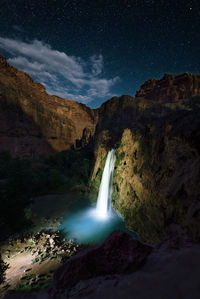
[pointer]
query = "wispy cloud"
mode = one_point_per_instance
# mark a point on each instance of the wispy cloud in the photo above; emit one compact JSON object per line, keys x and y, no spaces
{"x":97,"y":64}
{"x":63,"y":75}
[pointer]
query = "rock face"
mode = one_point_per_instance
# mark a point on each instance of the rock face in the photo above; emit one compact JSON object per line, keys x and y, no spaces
{"x":156,"y":136}
{"x":171,"y":270}
{"x":156,"y":178}
{"x":170,"y":88}
{"x":120,"y":253}
{"x":166,"y":273}
{"x":34,"y":123}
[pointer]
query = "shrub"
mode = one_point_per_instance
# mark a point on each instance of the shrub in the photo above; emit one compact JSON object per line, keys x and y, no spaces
{"x":3,"y":267}
{"x":23,"y":179}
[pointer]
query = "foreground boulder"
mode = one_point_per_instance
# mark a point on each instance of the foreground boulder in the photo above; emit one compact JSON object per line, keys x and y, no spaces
{"x":176,"y":243}
{"x":172,"y":270}
{"x":120,"y":253}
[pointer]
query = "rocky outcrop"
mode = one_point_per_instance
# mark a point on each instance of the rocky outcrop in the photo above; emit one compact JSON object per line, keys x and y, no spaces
{"x":157,"y":169}
{"x":168,"y":271}
{"x":156,"y":137}
{"x":171,"y":88}
{"x":119,"y":253}
{"x":34,"y":123}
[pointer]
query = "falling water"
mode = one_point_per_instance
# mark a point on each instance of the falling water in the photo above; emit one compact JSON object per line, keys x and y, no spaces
{"x":94,"y":224}
{"x":105,"y":190}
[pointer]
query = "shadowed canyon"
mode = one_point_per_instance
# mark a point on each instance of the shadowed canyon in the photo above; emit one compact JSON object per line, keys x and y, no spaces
{"x":50,"y":146}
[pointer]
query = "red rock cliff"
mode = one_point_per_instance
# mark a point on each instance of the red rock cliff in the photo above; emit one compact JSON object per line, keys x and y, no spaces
{"x":34,"y":123}
{"x":171,"y":88}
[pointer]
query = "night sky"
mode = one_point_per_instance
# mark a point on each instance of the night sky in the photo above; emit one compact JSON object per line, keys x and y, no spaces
{"x":92,"y":50}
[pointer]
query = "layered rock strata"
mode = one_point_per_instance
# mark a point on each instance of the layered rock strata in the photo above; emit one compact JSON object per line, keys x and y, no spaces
{"x":33,"y":123}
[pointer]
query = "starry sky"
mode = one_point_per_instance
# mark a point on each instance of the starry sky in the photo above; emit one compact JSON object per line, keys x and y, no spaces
{"x":92,"y":50}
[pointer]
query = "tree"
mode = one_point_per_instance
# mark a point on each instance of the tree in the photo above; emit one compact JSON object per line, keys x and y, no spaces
{"x":3,"y":268}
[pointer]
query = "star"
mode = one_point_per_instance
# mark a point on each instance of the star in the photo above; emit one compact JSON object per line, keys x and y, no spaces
{"x":145,"y":37}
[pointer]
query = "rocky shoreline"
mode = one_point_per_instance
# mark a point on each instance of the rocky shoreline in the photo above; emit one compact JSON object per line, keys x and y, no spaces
{"x":123,"y":267}
{"x":32,"y":260}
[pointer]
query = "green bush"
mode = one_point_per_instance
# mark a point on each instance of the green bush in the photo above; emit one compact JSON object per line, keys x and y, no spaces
{"x":22,"y":179}
{"x":193,"y":102}
{"x":3,"y":267}
{"x":5,"y":159}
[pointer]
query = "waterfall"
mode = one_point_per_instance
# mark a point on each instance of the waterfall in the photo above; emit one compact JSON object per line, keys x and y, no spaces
{"x":105,"y":190}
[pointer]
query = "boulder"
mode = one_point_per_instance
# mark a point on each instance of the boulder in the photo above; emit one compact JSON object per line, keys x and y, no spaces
{"x":120,"y":253}
{"x":176,"y":242}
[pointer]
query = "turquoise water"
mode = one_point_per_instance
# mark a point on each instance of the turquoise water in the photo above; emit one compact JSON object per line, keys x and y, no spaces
{"x":79,"y":220}
{"x":83,"y":225}
{"x":89,"y":224}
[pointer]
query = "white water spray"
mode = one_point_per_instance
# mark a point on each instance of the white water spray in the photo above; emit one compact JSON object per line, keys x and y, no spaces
{"x":105,"y":191}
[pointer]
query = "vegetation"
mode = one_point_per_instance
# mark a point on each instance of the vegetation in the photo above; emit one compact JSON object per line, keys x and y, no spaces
{"x":3,"y":267}
{"x":22,"y":179}
{"x":25,"y":285}
{"x":193,"y":102}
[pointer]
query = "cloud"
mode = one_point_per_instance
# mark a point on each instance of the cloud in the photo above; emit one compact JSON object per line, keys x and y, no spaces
{"x":63,"y":75}
{"x":97,"y":64}
{"x":34,"y":68}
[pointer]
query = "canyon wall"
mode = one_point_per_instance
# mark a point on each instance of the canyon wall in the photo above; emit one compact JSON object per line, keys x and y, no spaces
{"x":33,"y":123}
{"x":171,"y":88}
{"x":157,"y":171}
{"x":156,"y":136}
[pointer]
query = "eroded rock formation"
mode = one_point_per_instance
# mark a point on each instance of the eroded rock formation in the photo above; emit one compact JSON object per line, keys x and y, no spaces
{"x":120,"y":253}
{"x":171,"y":88}
{"x":156,"y":136}
{"x":170,"y":270}
{"x":34,"y":123}
{"x":156,"y":178}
